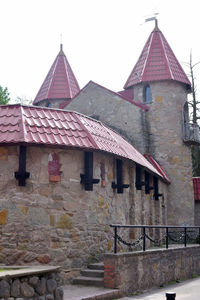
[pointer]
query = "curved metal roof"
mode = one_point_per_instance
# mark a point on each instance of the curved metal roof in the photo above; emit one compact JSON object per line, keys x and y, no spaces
{"x":54,"y":127}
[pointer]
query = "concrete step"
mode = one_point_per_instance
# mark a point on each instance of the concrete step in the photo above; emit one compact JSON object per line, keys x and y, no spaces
{"x":96,"y":266}
{"x":92,"y":281}
{"x":92,"y":273}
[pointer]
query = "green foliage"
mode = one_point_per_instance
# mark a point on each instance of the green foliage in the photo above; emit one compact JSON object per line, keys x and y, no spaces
{"x":4,"y":96}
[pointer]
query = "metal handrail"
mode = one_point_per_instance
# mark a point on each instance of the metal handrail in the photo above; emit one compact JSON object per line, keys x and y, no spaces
{"x":145,"y":236}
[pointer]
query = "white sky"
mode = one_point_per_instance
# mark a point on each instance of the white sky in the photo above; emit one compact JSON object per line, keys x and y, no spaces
{"x":102,"y":39}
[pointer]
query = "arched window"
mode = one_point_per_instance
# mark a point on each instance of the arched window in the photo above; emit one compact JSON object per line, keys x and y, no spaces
{"x":147,"y":94}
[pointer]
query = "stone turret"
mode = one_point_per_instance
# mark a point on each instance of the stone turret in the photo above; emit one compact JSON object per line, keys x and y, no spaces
{"x":59,"y":85}
{"x":159,"y":81}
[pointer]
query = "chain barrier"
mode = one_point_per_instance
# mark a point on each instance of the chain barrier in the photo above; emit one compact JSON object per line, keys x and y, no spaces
{"x":176,"y":236}
{"x":128,"y":243}
{"x":156,"y":242}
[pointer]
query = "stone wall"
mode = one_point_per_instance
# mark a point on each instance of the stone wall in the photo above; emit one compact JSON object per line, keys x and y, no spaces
{"x":58,"y":222}
{"x":164,"y":139}
{"x":37,"y":286}
{"x":108,"y":107}
{"x":138,"y":271}
{"x":157,"y":131}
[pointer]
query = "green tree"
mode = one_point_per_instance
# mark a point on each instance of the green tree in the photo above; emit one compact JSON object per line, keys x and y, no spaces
{"x":4,"y":96}
{"x":194,"y":107}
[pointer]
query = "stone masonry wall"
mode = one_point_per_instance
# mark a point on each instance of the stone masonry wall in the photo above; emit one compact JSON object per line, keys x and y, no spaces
{"x":42,"y":286}
{"x":164,"y":139}
{"x":59,"y":223}
{"x":138,"y":271}
{"x":119,"y":114}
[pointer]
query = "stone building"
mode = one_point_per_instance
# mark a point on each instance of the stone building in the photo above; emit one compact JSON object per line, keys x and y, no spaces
{"x":66,"y":176}
{"x":64,"y":179}
{"x":151,"y":113}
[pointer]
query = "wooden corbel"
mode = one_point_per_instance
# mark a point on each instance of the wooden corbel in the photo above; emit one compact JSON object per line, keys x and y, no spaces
{"x":148,"y":188}
{"x":87,"y":179}
{"x":156,"y":190}
{"x":119,"y":185}
{"x":22,"y":175}
{"x":139,"y":183}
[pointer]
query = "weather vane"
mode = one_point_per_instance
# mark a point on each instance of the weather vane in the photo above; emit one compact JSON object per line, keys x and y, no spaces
{"x":154,"y":18}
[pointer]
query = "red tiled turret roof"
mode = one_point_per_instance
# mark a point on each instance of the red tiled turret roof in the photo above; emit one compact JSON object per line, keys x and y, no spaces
{"x":156,"y":62}
{"x":60,"y":82}
{"x":54,"y":127}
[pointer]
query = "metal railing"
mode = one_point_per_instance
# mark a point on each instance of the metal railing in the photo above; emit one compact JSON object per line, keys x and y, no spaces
{"x":181,"y":235}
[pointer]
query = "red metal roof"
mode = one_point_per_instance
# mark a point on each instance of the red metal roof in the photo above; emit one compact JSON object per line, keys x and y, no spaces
{"x":196,"y":187}
{"x":60,"y":82}
{"x":39,"y":125}
{"x":157,"y":166}
{"x":126,"y":95}
{"x":157,"y":62}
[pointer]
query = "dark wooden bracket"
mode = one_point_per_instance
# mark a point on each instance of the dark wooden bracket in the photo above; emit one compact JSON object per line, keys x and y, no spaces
{"x":87,"y":179}
{"x":119,"y":185}
{"x":156,"y":192}
{"x":148,"y":188}
{"x":139,"y":183}
{"x":22,"y":175}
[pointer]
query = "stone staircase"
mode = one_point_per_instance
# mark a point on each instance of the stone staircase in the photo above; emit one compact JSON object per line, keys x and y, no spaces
{"x":93,"y":275}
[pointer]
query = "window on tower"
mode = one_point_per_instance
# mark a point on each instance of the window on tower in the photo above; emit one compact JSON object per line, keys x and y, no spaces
{"x":147,"y":94}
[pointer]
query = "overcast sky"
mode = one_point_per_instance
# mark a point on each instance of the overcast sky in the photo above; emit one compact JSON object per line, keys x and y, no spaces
{"x":102,"y":39}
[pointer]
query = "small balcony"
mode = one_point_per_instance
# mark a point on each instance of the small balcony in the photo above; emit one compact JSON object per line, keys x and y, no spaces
{"x":191,"y":133}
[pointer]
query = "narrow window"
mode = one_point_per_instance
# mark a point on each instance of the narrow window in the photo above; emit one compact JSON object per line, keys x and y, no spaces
{"x":147,"y":94}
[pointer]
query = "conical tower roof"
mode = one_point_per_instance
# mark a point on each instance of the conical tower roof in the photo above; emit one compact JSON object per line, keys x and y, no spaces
{"x":157,"y":62}
{"x":60,"y":82}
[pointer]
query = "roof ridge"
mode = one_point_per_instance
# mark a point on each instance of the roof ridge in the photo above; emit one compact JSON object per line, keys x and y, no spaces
{"x":166,"y":57}
{"x":147,"y":58}
{"x":52,"y":78}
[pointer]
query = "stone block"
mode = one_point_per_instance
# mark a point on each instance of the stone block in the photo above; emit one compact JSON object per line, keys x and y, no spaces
{"x":3,"y":153}
{"x":51,"y":285}
{"x":41,"y":287}
{"x":15,"y":288}
{"x":65,"y":222}
{"x":44,"y":259}
{"x":34,"y":281}
{"x":4,"y":289}
{"x":49,"y":297}
{"x":3,"y":217}
{"x":24,"y":210}
{"x":59,"y":294}
{"x":26,"y":290}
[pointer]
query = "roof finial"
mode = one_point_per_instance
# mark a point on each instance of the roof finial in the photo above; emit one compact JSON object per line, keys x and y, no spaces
{"x":61,"y":45}
{"x":153,"y":19}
